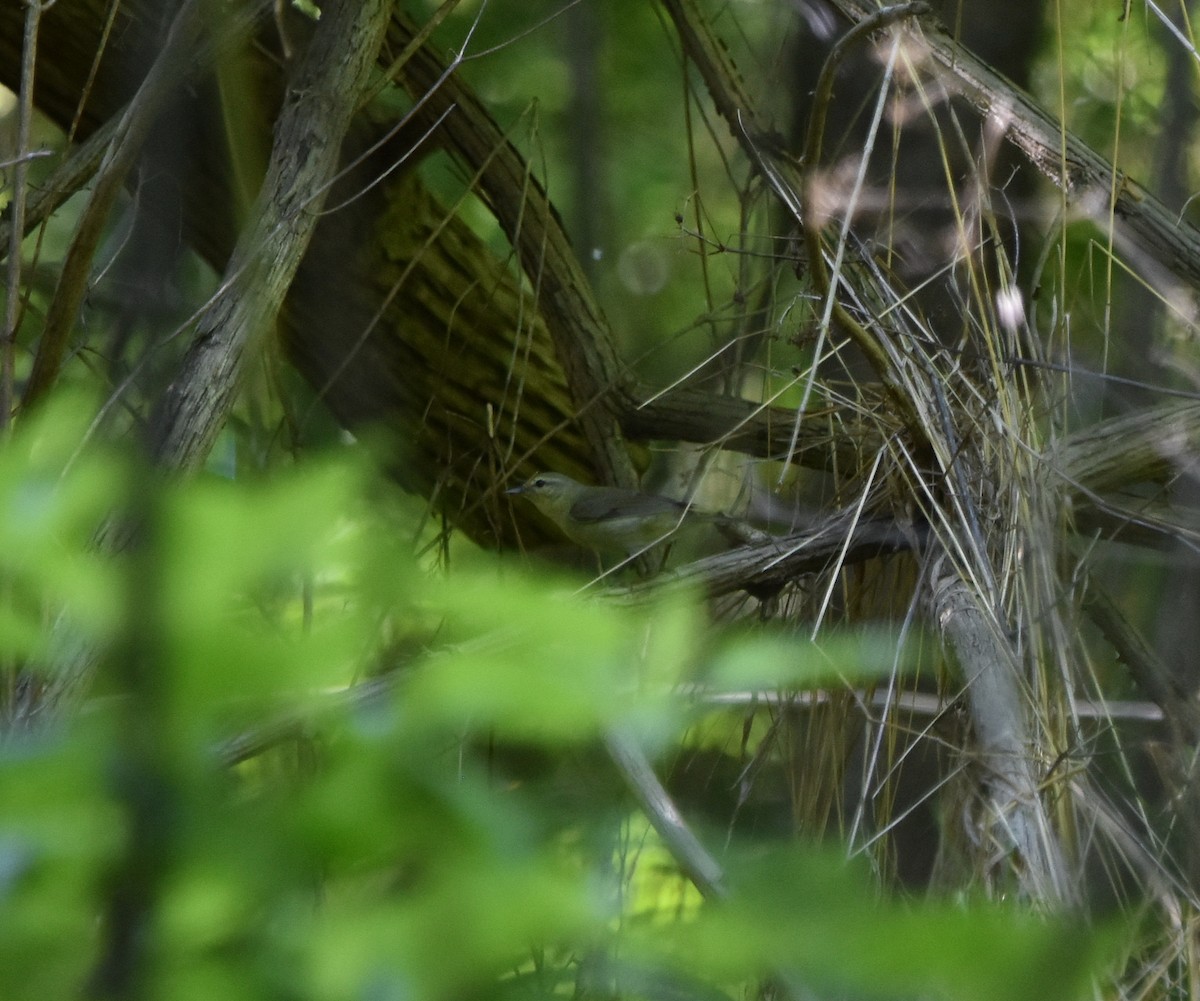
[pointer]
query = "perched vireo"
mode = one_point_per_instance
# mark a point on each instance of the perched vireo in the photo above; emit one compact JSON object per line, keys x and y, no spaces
{"x":604,"y":518}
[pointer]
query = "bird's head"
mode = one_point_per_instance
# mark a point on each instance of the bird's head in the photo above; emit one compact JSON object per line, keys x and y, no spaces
{"x":551,"y":493}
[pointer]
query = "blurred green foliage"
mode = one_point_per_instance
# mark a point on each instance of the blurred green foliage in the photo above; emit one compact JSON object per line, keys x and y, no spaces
{"x":225,"y":817}
{"x":1102,"y":70}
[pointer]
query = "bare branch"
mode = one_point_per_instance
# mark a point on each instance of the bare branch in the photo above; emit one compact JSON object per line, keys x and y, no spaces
{"x":1058,"y":154}
{"x":326,"y":90}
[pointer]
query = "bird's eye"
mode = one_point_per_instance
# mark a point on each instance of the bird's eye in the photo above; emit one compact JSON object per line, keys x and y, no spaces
{"x":539,"y":483}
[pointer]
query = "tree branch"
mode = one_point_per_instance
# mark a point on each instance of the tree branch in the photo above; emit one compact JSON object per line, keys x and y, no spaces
{"x":1018,"y":822}
{"x":1059,"y":155}
{"x":325,"y":92}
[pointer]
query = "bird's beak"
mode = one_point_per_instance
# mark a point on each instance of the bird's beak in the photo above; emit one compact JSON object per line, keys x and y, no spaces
{"x":516,"y":490}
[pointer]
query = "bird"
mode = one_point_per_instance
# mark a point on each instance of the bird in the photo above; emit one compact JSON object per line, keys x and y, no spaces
{"x":605,"y":519}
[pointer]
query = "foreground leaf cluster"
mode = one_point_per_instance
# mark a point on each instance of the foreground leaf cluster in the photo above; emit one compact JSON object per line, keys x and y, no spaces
{"x":315,"y":768}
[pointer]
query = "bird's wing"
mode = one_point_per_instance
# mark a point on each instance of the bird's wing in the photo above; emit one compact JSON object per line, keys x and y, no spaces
{"x":606,"y":503}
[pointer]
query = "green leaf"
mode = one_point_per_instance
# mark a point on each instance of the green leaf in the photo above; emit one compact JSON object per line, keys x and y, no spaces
{"x":807,"y":915}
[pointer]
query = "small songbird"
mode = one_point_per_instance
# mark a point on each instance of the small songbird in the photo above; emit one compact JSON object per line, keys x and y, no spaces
{"x":606,"y":519}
